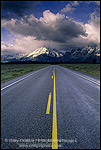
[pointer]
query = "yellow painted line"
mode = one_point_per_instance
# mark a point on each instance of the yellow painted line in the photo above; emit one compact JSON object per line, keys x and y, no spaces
{"x":49,"y":103}
{"x":54,"y":126}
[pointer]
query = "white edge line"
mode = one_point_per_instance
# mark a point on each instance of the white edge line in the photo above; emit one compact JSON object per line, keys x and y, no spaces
{"x":84,"y":77}
{"x":19,"y":80}
{"x":89,"y":79}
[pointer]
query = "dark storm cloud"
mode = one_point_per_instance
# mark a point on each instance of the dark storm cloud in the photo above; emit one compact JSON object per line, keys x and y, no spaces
{"x":51,"y":27}
{"x":19,"y":8}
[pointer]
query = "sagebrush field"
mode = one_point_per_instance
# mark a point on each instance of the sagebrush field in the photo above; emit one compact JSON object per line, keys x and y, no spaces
{"x":93,"y":69}
{"x":11,"y":71}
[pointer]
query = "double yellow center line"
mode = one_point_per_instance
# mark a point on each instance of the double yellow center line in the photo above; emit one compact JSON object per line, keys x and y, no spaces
{"x":54,"y":124}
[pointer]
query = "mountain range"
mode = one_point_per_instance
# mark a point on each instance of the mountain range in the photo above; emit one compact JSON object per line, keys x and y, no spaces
{"x":45,"y":54}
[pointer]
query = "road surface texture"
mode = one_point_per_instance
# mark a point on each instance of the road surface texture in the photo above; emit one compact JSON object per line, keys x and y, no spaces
{"x":53,"y":107}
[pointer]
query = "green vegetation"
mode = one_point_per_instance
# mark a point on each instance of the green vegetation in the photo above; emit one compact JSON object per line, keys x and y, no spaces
{"x":93,"y":69}
{"x":11,"y":71}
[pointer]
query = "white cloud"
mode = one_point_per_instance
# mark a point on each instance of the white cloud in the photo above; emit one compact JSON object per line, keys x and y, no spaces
{"x":26,"y":45}
{"x":67,"y":8}
{"x":93,"y":33}
{"x":56,"y":31}
{"x":75,"y":3}
{"x":5,"y":46}
{"x":21,"y":45}
{"x":8,"y":49}
{"x":49,"y":17}
{"x":70,"y":7}
{"x":96,"y":2}
{"x":93,"y":28}
{"x":50,"y":27}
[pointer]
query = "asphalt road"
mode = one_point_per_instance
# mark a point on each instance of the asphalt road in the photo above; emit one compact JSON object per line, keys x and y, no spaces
{"x":74,"y":110}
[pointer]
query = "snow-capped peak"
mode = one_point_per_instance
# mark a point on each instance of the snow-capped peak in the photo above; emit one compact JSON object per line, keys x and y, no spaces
{"x":44,"y":50}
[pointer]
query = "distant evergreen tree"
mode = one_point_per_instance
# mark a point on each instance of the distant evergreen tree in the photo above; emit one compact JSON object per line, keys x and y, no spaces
{"x":61,"y":61}
{"x":94,"y":60}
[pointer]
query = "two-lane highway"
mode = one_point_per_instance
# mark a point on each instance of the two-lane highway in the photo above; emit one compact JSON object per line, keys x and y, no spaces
{"x":53,"y":107}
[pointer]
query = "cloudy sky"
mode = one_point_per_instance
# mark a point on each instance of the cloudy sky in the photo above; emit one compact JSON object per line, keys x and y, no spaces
{"x":27,"y":25}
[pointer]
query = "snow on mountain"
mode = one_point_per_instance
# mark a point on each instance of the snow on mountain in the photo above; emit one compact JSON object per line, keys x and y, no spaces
{"x":39,"y":51}
{"x":44,"y":50}
{"x":86,"y":54}
{"x":45,"y":54}
{"x":39,"y":54}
